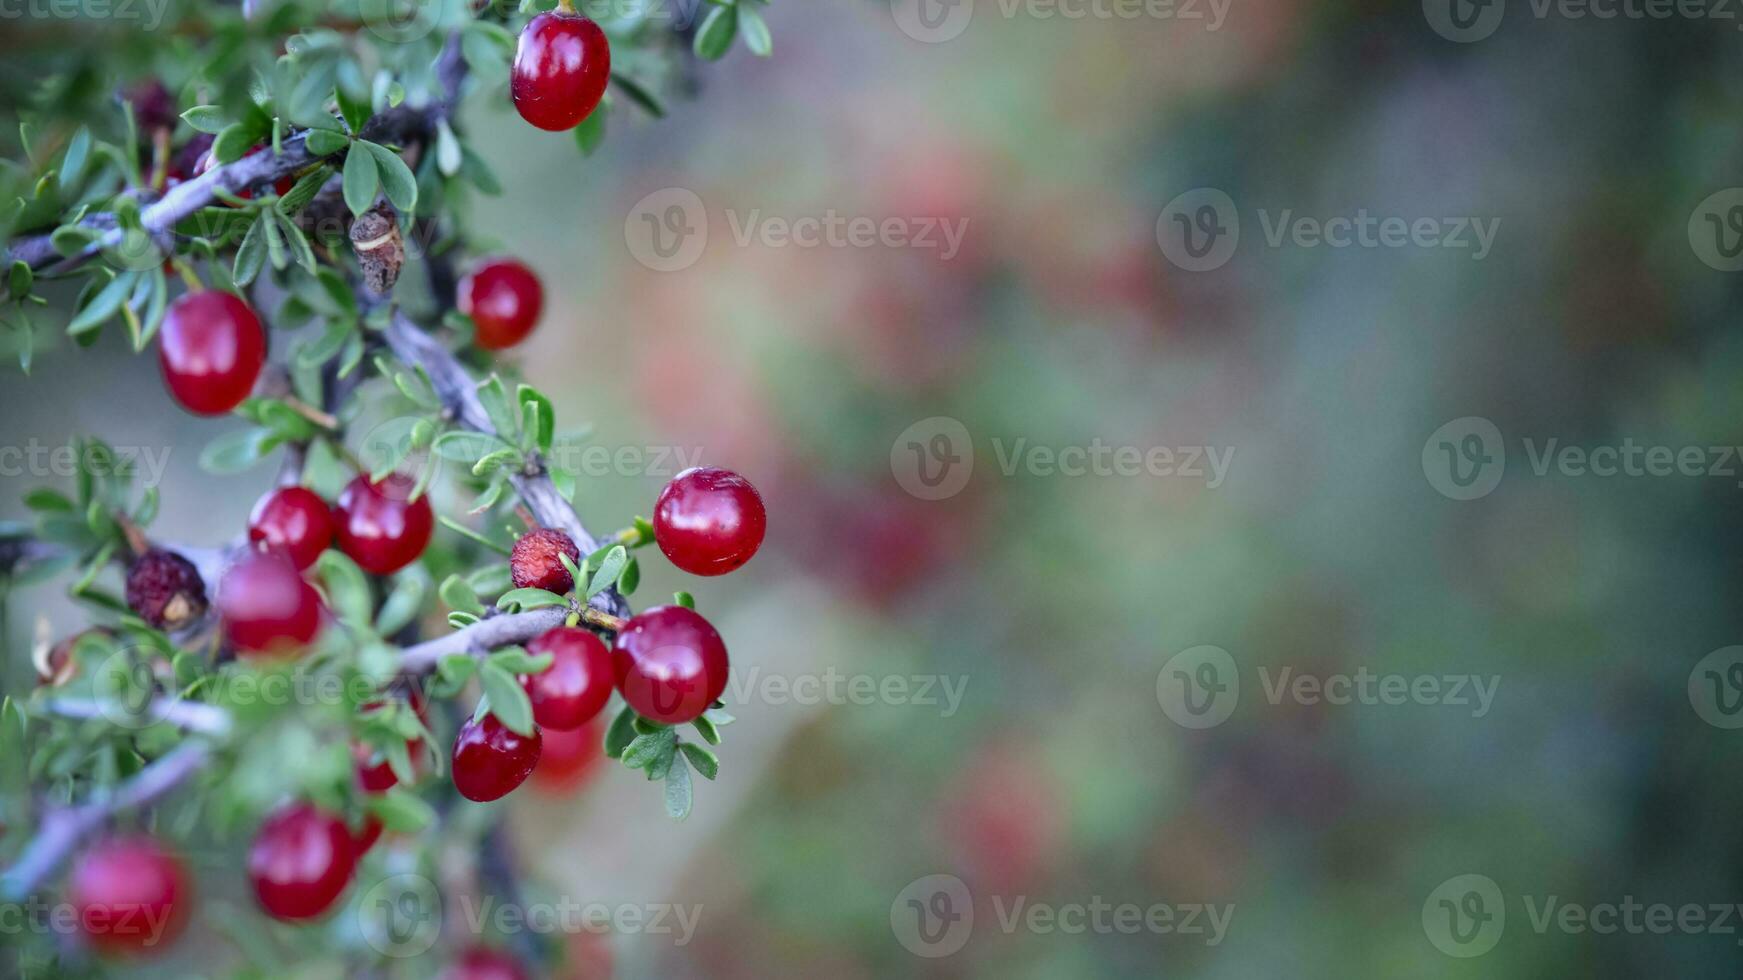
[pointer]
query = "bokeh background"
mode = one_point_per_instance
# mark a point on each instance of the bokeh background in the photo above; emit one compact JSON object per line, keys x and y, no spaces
{"x":1056,"y":602}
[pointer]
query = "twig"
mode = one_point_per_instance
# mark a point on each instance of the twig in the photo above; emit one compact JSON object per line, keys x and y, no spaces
{"x":62,"y":830}
{"x":191,"y":716}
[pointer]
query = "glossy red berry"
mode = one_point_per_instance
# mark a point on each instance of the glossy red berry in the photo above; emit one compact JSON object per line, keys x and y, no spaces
{"x":567,"y":694}
{"x":709,"y":521}
{"x":131,"y":895}
{"x":484,"y":963}
{"x":165,"y":589}
{"x":490,"y":759}
{"x":300,"y":861}
{"x":504,"y":299}
{"x":670,"y":664}
{"x":561,"y":65}
{"x":266,"y":606}
{"x":534,"y":562}
{"x":380,"y":526}
{"x":294,"y":520}
{"x":211,"y":349}
{"x":568,"y":757}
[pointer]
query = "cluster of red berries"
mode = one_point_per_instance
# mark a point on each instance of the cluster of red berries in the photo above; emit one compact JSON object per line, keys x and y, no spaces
{"x":265,"y":604}
{"x":669,"y":663}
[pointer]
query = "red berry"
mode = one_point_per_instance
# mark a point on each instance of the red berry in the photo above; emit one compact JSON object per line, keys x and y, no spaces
{"x":490,"y":760}
{"x":533,"y":564}
{"x":567,"y":694}
{"x":211,"y":349}
{"x":670,"y":664}
{"x":380,"y":526}
{"x":165,"y":589}
{"x":568,"y":757}
{"x":561,"y":66}
{"x":131,"y":895}
{"x":484,"y":963}
{"x":300,"y":861}
{"x":504,"y":299}
{"x":709,"y":521}
{"x":295,"y":520}
{"x":266,"y":606}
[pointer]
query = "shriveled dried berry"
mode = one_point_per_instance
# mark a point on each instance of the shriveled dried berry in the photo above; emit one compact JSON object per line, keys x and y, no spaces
{"x":165,"y":589}
{"x":535,"y":564}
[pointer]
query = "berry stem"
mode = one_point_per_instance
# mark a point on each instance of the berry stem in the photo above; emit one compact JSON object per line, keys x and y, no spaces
{"x":323,"y":419}
{"x":566,"y":7}
{"x":603,"y":619}
{"x":186,"y":271}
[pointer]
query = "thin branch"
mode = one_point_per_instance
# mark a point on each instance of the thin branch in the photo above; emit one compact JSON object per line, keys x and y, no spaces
{"x":459,"y":394}
{"x":159,"y":219}
{"x":190,"y":716}
{"x":62,"y":830}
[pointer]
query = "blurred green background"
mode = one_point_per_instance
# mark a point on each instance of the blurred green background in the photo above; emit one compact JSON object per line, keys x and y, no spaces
{"x":1055,"y":601}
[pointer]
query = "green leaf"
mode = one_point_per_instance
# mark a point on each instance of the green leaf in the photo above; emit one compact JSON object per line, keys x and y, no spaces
{"x":705,"y":761}
{"x":467,"y":532}
{"x":104,"y":305}
{"x":755,"y":31}
{"x":251,"y":254}
{"x":48,"y":501}
{"x":684,"y":599}
{"x":648,"y":749}
{"x":591,"y":132}
{"x":457,"y":668}
{"x":620,"y":734}
{"x":678,"y":792}
{"x":19,"y":280}
{"x":610,"y":567}
{"x":631,"y":577}
{"x":640,"y":95}
{"x":70,"y":240}
{"x":466,"y":447}
{"x":78,"y":151}
{"x":347,"y":588}
{"x":714,"y":37}
{"x":501,"y":459}
{"x":401,"y":810}
{"x":355,"y":110}
{"x":233,"y":141}
{"x":474,"y":169}
{"x":234,"y":452}
{"x":494,"y":395}
{"x":516,"y":660}
{"x":396,"y":178}
{"x":325,"y":142}
{"x":458,"y":595}
{"x":206,"y":119}
{"x":448,"y":158}
{"x":710,"y":734}
{"x":528,"y":599}
{"x":508,"y":702}
{"x":546,"y":429}
{"x":362,"y":179}
{"x":402,"y":603}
